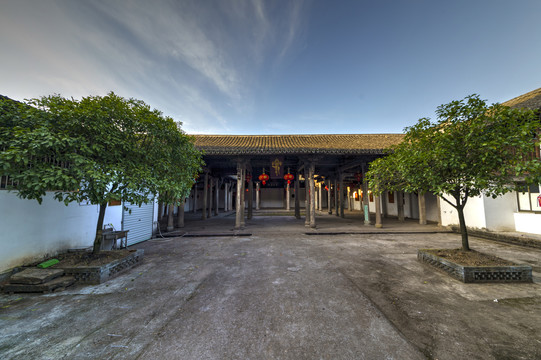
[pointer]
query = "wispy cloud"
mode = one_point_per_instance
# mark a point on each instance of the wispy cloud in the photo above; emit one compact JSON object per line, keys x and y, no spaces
{"x":201,"y":60}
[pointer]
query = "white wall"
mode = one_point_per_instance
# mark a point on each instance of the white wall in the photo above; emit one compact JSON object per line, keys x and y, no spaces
{"x":528,"y":222}
{"x":499,"y":212}
{"x":474,"y":213}
{"x":29,"y":231}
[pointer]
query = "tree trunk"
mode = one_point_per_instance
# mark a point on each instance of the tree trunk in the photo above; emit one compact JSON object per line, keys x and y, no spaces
{"x":463,"y":230}
{"x":99,"y":229}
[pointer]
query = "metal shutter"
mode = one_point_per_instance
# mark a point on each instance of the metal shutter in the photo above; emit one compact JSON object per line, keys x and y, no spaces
{"x":139,"y":222}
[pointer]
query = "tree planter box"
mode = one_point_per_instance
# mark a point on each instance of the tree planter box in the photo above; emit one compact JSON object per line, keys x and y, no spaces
{"x":99,"y":274}
{"x":478,"y":274}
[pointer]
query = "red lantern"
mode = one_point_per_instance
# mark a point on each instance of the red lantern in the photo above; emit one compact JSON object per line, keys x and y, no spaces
{"x":248,"y":177}
{"x":359,"y":176}
{"x":289,"y":177}
{"x":263,"y":178}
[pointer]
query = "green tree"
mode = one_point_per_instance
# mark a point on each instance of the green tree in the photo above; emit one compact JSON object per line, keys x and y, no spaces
{"x":96,"y":149}
{"x":472,"y":149}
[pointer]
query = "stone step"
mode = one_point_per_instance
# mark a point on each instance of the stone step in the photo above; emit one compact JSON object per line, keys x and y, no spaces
{"x":57,"y":284}
{"x":34,"y":276}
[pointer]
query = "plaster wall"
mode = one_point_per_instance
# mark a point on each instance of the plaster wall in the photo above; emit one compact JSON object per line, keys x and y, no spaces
{"x":30,"y":231}
{"x":474,"y":213}
{"x":392,"y":208}
{"x":499,"y":212}
{"x":528,"y":222}
{"x":411,"y":206}
{"x":274,"y":198}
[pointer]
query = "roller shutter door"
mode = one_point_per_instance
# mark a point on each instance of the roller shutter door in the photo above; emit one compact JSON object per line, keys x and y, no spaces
{"x":138,"y":222}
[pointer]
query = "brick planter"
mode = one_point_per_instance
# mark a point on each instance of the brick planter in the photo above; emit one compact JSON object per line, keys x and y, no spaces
{"x":99,"y":274}
{"x":478,"y":274}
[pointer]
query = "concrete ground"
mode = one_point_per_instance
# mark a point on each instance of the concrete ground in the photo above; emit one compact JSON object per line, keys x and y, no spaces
{"x":281,"y":293}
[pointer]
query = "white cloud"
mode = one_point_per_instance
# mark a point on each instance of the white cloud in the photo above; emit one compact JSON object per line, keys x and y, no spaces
{"x":199,"y":60}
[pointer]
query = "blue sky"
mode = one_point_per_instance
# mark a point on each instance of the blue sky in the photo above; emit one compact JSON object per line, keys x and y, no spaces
{"x":274,"y":67}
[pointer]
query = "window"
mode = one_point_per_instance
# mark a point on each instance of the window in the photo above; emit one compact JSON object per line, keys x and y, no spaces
{"x":527,"y":198}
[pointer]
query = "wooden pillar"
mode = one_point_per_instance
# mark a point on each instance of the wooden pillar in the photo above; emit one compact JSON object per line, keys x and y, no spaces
{"x":180,"y":214}
{"x":211,"y":198}
{"x":170,"y":220}
{"x":297,"y":201}
{"x":329,"y":197}
{"x":319,"y":192}
{"x":250,"y":198}
{"x":226,"y":192}
{"x":384,"y":198}
{"x":257,"y":194}
{"x":205,"y":195}
{"x":311,"y":171}
{"x":217,"y":196}
{"x":341,"y":195}
{"x":243,"y":195}
{"x":336,"y":198}
{"x":422,"y":208}
{"x":377,"y":200}
{"x":287,"y":196}
{"x":238,"y":212}
{"x":400,"y":205}
{"x":366,"y":202}
{"x":306,"y":198}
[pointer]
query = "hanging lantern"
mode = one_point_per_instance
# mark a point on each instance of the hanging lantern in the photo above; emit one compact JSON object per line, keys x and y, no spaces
{"x":248,"y":177}
{"x":359,"y":176}
{"x":263,"y":177}
{"x":288,"y":177}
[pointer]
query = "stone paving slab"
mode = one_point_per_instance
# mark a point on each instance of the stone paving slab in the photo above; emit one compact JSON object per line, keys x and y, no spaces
{"x":32,"y":276}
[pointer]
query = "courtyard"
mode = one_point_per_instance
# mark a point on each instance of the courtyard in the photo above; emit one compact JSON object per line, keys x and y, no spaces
{"x":279,"y":290}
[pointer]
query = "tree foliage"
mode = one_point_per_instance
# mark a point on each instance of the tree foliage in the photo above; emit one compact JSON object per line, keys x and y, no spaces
{"x":472,"y":149}
{"x":96,"y":149}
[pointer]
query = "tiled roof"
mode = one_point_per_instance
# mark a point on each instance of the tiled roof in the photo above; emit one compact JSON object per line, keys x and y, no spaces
{"x":296,"y":144}
{"x":531,"y":100}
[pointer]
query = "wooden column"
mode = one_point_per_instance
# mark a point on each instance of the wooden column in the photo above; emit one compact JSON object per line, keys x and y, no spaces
{"x":205,"y":196}
{"x":400,"y":205}
{"x":336,"y":198}
{"x":217,"y":197}
{"x":170,"y":220}
{"x":243,"y":195}
{"x":226,"y":192}
{"x":341,"y":195}
{"x":297,"y":201}
{"x":287,"y":196}
{"x":366,"y":202}
{"x":320,"y":193}
{"x":422,"y":208}
{"x":257,"y":194}
{"x":329,"y":197}
{"x":250,"y":198}
{"x":238,"y":211}
{"x":377,"y":200}
{"x":307,"y":196}
{"x":211,"y":198}
{"x":311,"y":171}
{"x":180,"y":214}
